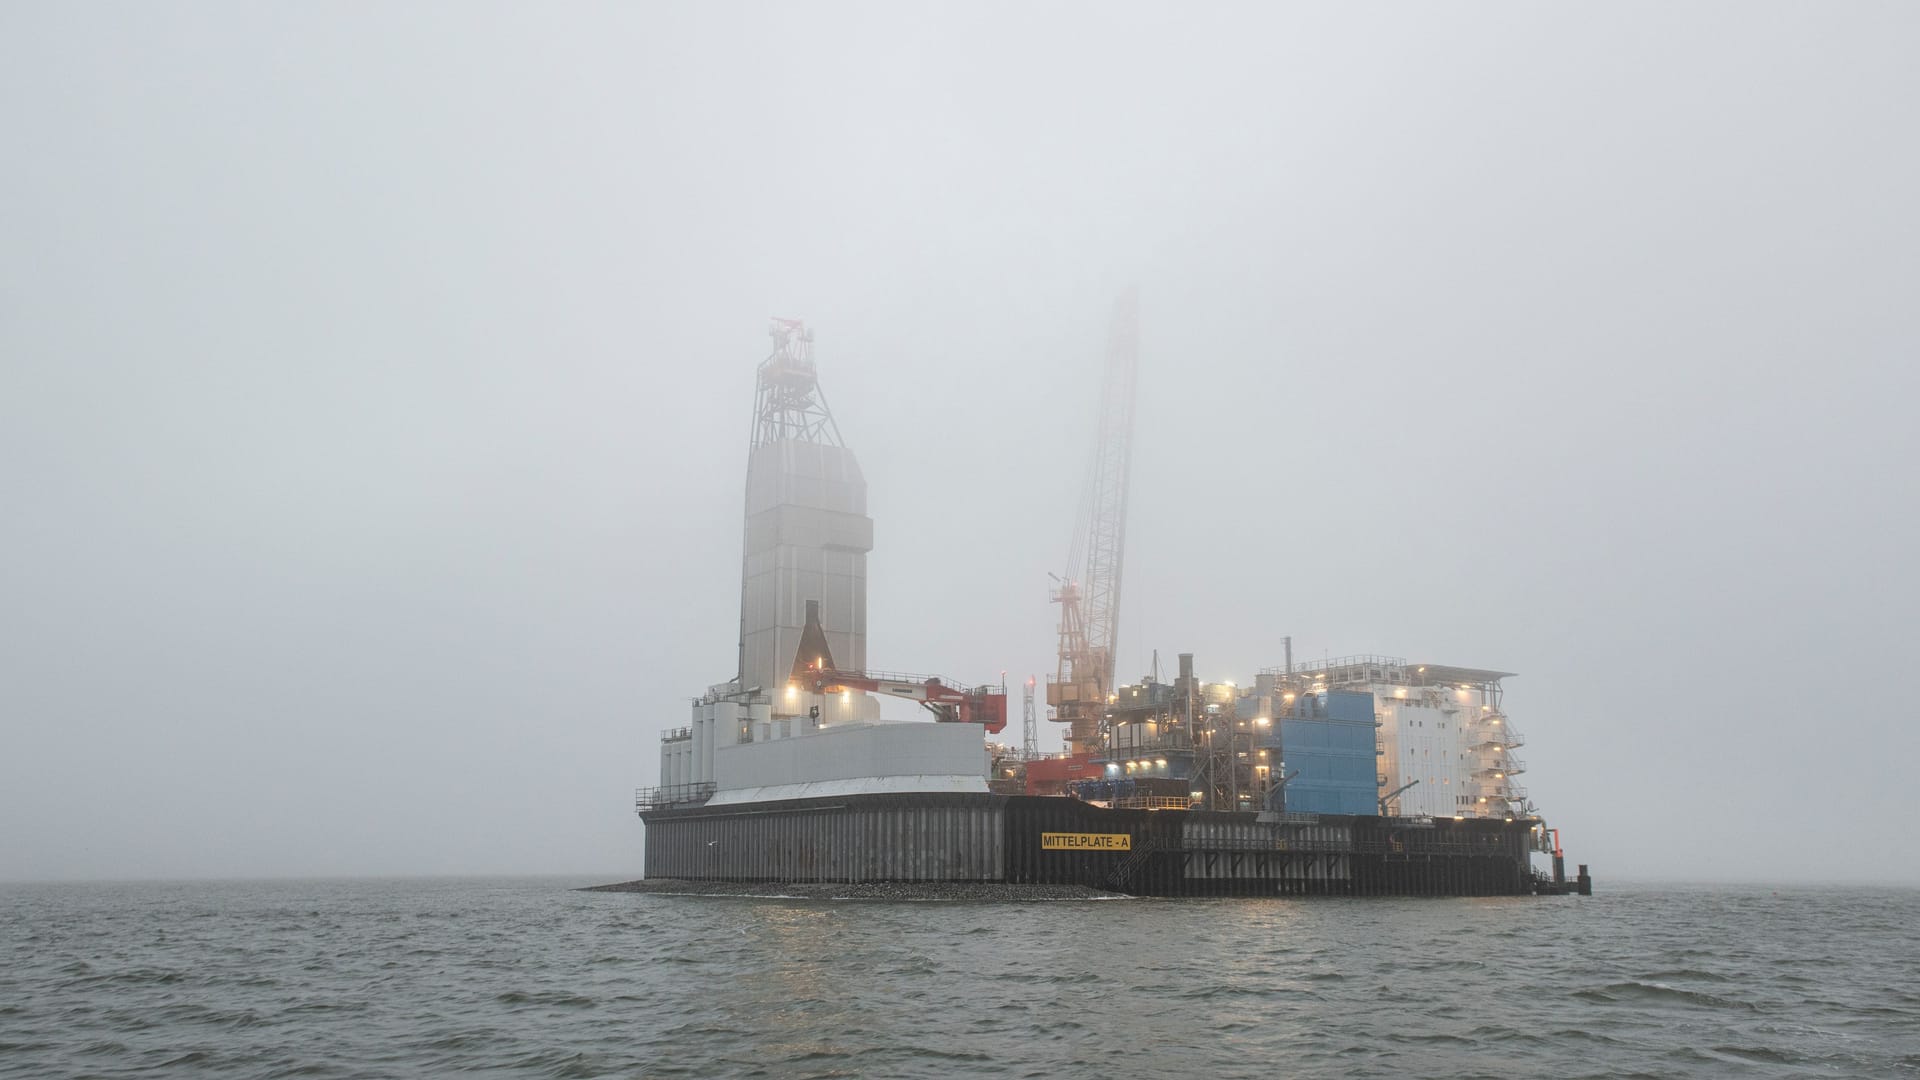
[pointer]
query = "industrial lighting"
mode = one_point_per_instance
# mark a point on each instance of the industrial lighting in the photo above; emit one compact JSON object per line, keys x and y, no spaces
{"x":1286,"y":697}
{"x":1162,"y":763}
{"x":1263,"y":721}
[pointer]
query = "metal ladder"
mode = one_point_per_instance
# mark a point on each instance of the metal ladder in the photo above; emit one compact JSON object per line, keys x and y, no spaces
{"x":1122,"y":874}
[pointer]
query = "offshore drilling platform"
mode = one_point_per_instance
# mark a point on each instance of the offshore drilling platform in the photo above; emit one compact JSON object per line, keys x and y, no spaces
{"x":1363,"y":775}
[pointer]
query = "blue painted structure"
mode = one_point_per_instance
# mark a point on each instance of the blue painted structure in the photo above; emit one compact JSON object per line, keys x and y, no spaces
{"x":1326,"y":744}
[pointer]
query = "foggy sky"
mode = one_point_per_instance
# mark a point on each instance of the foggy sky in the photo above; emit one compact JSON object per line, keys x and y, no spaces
{"x":375,"y":383}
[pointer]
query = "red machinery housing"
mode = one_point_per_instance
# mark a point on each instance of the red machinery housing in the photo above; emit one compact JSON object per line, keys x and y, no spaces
{"x":1057,"y":775}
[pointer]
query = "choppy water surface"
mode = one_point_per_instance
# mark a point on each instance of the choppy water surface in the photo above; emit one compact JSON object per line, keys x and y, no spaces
{"x":409,"y":978}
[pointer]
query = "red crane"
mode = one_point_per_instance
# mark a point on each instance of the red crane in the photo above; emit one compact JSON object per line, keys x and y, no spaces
{"x":949,"y":703}
{"x":1089,"y":594}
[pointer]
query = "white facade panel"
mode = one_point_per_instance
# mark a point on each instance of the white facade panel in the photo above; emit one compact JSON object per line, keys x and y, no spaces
{"x":858,"y":751}
{"x":807,"y":539}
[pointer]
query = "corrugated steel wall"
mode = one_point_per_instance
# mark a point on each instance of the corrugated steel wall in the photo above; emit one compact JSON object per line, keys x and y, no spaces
{"x":872,"y":838}
{"x":1296,"y":857}
{"x":937,"y":837}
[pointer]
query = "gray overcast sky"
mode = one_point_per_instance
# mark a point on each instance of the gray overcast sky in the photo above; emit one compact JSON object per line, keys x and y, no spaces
{"x":374,"y":386}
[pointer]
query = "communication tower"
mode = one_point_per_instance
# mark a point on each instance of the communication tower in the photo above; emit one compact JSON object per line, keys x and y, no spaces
{"x":1029,"y":729}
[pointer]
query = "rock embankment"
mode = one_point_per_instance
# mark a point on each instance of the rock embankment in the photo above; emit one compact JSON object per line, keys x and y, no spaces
{"x":869,"y":890}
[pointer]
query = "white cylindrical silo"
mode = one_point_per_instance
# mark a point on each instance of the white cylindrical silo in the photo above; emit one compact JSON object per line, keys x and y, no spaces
{"x":702,"y":766}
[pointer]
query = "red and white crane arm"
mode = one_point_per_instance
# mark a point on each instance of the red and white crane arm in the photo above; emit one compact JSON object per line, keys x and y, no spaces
{"x":948,"y":702}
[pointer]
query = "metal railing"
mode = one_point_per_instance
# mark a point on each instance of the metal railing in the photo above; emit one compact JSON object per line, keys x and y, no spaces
{"x":1496,"y":736}
{"x":1165,"y":740}
{"x":662,"y":798}
{"x":1338,"y":663}
{"x":1275,"y":844}
{"x":1155,"y":802}
{"x":921,"y":679}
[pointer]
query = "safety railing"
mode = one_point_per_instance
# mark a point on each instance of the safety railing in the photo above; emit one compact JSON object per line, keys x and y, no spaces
{"x":1281,"y":844}
{"x":1339,"y":663}
{"x":920,"y":679}
{"x":667,"y":797}
{"x":1155,"y":802}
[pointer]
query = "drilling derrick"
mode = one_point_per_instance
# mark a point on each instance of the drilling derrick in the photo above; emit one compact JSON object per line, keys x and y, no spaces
{"x":803,"y":575}
{"x":788,"y":402}
{"x":1089,"y":594}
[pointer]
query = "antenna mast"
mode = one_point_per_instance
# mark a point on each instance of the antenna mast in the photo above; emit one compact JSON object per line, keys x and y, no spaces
{"x":1029,"y":730}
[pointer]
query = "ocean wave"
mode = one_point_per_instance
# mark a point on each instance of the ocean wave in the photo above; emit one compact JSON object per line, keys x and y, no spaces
{"x":524,"y":979}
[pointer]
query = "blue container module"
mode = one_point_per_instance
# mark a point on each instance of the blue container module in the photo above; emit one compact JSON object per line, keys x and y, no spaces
{"x":1326,"y":744}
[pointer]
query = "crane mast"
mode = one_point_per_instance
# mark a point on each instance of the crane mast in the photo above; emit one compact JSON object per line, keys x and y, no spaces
{"x":1089,"y":594}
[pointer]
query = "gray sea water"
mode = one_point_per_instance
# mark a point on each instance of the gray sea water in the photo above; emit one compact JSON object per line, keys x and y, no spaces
{"x":528,"y":978}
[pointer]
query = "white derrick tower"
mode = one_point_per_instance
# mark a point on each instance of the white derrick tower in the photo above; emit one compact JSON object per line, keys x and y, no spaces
{"x":803,"y":579}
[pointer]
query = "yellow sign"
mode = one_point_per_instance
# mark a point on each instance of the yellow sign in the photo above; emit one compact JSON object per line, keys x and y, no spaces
{"x":1085,"y":841}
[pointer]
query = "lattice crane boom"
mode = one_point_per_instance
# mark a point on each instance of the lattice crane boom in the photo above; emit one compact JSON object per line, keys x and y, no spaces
{"x":1089,"y":596}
